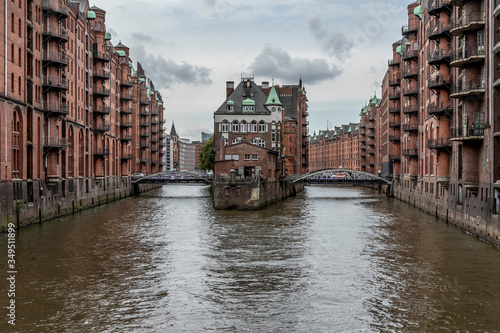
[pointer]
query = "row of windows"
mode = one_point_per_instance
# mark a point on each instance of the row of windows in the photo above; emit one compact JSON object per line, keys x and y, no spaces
{"x":244,"y":127}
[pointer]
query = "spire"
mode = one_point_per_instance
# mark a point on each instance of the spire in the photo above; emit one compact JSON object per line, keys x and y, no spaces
{"x":273,"y":98}
{"x":173,"y":132}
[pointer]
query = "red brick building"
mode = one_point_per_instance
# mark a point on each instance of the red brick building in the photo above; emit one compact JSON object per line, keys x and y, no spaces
{"x":77,"y":118}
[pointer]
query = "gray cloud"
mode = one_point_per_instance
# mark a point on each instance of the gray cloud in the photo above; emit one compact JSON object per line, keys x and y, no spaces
{"x":273,"y":61}
{"x":166,"y":72}
{"x":333,"y":43}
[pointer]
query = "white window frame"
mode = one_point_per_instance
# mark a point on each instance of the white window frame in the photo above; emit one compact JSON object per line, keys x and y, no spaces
{"x":225,"y":126}
{"x":253,"y":127}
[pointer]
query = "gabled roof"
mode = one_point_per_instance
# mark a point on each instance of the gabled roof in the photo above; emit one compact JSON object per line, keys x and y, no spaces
{"x":241,"y":94}
{"x":273,"y":98}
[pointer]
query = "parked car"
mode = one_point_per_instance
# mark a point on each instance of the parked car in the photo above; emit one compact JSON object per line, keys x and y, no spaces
{"x":137,"y":176}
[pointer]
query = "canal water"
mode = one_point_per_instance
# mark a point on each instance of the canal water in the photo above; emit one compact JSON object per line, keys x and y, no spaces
{"x":330,"y":260}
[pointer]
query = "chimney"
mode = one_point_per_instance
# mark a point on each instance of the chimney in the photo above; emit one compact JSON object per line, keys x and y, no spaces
{"x":229,"y":88}
{"x":265,"y":85}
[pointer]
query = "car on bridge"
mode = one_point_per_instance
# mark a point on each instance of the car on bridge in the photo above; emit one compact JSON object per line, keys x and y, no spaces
{"x":137,"y":176}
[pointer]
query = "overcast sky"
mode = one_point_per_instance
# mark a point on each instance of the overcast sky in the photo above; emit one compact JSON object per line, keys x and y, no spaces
{"x":190,"y":48}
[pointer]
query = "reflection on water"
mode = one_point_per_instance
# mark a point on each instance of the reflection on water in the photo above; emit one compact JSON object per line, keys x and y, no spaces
{"x":330,"y":260}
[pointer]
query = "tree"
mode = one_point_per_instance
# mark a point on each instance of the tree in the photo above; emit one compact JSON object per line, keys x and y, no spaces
{"x":207,"y":157}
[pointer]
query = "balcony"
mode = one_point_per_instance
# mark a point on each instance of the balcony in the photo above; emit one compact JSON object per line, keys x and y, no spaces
{"x":410,"y":55}
{"x":410,"y":91}
{"x":438,"y":109}
{"x":470,"y":88}
{"x":144,"y":134}
{"x":55,"y":143}
{"x":100,"y":75}
{"x":435,"y":7}
{"x":102,"y":127}
{"x":469,"y":22}
{"x":406,"y":30}
{"x":100,"y":92}
{"x":144,"y":101}
{"x":54,"y":32}
{"x":101,"y":110}
{"x":472,"y":54}
{"x":126,"y":83}
{"x":394,"y":157}
{"x":437,"y":145}
{"x":101,"y":152}
{"x":394,"y":82}
{"x":54,"y":58}
{"x":395,"y":95}
{"x":412,"y":152}
{"x":393,"y":62}
{"x":145,"y":124}
{"x":54,"y":83}
{"x":54,"y":7}
{"x":410,"y":128}
{"x":144,"y":160}
{"x":438,"y":56}
{"x":496,"y":48}
{"x":395,"y":110}
{"x":58,"y":109}
{"x":394,"y":124}
{"x":410,"y":72}
{"x":126,"y":96}
{"x":126,"y":124}
{"x":126,"y":138}
{"x":394,"y":138}
{"x":126,"y":157}
{"x":496,"y":12}
{"x":126,"y":110}
{"x":440,"y":82}
{"x":144,"y":145}
{"x":100,"y":56}
{"x":441,"y":29}
{"x":144,"y":113}
{"x":473,"y":133}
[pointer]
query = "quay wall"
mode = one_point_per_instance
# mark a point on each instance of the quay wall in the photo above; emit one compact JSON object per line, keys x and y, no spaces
{"x":252,"y":195}
{"x":472,"y":214}
{"x":24,"y":203}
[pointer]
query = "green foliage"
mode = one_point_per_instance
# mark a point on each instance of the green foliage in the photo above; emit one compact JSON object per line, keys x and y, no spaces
{"x":207,"y":156}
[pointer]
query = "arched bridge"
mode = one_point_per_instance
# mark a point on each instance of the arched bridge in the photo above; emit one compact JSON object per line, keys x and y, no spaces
{"x":173,"y":177}
{"x":340,"y":176}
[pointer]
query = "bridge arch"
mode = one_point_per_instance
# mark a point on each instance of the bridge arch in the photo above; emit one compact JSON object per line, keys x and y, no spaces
{"x":166,"y":176}
{"x":340,"y":174}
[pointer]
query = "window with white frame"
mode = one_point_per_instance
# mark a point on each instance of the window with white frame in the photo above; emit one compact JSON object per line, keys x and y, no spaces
{"x":273,"y":135}
{"x":243,"y":127}
{"x":262,"y":127}
{"x":253,"y":127}
{"x":255,"y":157}
{"x":258,"y":142}
{"x":225,"y":126}
{"x":236,"y":140}
{"x":247,"y":157}
{"x":248,"y":108}
{"x":235,"y":127}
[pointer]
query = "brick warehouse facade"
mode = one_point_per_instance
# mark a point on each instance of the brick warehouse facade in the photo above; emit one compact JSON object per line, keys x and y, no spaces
{"x":77,"y":118}
{"x":436,"y":129}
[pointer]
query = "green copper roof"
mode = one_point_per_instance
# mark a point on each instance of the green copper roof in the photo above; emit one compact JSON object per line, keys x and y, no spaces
{"x":141,"y":80}
{"x":374,"y":99}
{"x":230,"y":103}
{"x":273,"y":98}
{"x":357,"y":128}
{"x":121,"y":53}
{"x":108,"y":36}
{"x":147,"y":85}
{"x":249,"y":101}
{"x":349,"y":130}
{"x":399,"y":50}
{"x":129,"y":64}
{"x":160,"y":103}
{"x":91,"y":15}
{"x":163,"y":108}
{"x":418,"y":12}
{"x":151,"y":93}
{"x":157,"y":99}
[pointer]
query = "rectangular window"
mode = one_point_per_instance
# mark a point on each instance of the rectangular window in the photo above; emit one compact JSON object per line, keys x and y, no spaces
{"x":255,"y":157}
{"x":247,"y":157}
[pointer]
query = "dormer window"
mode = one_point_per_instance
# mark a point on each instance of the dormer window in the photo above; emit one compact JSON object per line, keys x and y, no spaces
{"x":230,"y":106}
{"x":248,"y":105}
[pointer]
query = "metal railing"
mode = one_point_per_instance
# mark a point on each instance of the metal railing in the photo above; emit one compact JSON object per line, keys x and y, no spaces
{"x":55,"y":32}
{"x":438,"y":143}
{"x":410,"y":152}
{"x":476,"y":130}
{"x":468,"y":87}
{"x":469,"y":52}
{"x":55,"y":57}
{"x":465,"y":20}
{"x":56,"y":108}
{"x":56,"y":142}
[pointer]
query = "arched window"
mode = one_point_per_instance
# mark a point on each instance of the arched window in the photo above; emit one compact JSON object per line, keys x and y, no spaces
{"x":243,"y":127}
{"x":19,"y":85}
{"x":12,"y":25}
{"x":236,"y":140}
{"x":253,"y":127}
{"x":20,"y":28}
{"x":16,"y":144}
{"x":236,"y":127}
{"x":12,"y":52}
{"x":12,"y":82}
{"x":258,"y":142}
{"x":19,"y":56}
{"x":225,"y":126}
{"x":262,"y":126}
